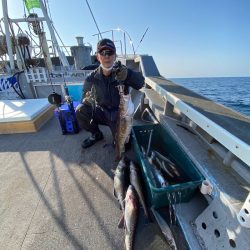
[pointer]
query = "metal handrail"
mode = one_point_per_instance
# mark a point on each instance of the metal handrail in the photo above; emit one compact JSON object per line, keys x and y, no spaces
{"x":228,"y":140}
{"x":40,"y":75}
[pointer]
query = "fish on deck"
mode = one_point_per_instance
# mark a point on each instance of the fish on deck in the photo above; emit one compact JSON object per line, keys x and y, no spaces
{"x":136,"y":183}
{"x":120,"y":182}
{"x":130,"y":217}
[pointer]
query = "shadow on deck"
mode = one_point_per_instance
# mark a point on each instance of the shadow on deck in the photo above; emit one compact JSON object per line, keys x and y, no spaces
{"x":53,"y":194}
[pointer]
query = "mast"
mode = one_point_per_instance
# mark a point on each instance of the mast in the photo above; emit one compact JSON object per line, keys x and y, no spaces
{"x":7,"y":32}
{"x":53,"y":37}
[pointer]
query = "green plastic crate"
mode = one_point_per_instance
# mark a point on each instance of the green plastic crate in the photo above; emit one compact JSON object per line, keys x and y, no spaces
{"x":164,"y":143}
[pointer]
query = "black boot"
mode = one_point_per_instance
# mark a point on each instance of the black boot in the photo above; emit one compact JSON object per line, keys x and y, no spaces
{"x":92,"y":139}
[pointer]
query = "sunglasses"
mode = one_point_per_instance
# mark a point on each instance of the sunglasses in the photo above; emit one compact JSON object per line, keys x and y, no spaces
{"x":106,"y":53}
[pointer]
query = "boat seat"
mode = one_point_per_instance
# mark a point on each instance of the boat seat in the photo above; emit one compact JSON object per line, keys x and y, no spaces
{"x":24,"y":116}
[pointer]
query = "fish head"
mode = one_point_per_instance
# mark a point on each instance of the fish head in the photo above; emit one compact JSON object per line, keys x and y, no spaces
{"x":153,"y":155}
{"x":122,"y":163}
{"x":131,"y":196}
{"x":120,"y":167}
{"x":132,"y":167}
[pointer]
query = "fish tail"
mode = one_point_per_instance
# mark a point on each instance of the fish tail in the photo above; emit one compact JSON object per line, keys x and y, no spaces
{"x":117,"y":153}
{"x":128,"y":241}
{"x":118,"y":157}
{"x":121,"y":223}
{"x":114,"y":193}
{"x":146,"y":213}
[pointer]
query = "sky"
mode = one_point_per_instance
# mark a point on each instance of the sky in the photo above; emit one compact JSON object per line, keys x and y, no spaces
{"x":187,"y":38}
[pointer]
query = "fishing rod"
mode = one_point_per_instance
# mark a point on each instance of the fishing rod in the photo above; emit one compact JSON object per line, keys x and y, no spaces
{"x":94,"y":19}
{"x":142,"y":38}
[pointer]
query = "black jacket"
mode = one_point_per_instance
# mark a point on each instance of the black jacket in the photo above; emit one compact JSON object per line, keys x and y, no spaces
{"x":106,"y":92}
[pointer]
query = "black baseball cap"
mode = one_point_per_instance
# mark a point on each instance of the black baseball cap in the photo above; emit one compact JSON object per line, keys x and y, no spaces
{"x":105,"y":44}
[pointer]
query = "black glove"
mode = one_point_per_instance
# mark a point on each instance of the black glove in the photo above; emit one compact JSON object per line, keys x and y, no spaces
{"x":121,"y":73}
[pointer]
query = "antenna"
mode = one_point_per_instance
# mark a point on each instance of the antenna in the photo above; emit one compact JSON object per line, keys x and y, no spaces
{"x":142,"y":38}
{"x":94,"y":19}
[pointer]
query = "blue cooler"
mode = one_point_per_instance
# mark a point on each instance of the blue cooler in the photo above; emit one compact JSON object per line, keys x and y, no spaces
{"x":67,"y":118}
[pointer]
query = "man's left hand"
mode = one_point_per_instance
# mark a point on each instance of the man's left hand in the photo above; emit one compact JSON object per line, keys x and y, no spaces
{"x":122,"y":73}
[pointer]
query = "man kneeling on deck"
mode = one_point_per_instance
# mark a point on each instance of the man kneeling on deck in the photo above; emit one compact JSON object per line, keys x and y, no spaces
{"x":101,"y":97}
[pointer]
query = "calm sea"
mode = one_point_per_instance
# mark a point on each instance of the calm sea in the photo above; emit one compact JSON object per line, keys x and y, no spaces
{"x":233,"y":92}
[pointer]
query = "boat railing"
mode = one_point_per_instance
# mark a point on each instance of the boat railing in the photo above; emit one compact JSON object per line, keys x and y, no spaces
{"x":127,"y":56}
{"x":235,"y":145}
{"x":42,"y":76}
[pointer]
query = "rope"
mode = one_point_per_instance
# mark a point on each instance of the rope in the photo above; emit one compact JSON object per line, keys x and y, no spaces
{"x":142,"y":39}
{"x":15,"y":44}
{"x":31,"y":38}
{"x":48,"y":8}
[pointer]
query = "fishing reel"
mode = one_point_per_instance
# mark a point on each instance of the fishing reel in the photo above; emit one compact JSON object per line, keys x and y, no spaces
{"x":55,"y":99}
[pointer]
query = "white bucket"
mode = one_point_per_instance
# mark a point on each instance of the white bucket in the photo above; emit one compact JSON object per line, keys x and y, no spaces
{"x":206,"y":187}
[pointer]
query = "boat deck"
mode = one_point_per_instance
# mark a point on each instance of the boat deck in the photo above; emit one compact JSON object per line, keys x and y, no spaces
{"x":54,"y":195}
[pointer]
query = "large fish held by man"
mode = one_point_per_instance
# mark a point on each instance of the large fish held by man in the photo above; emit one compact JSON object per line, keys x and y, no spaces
{"x":124,"y":122}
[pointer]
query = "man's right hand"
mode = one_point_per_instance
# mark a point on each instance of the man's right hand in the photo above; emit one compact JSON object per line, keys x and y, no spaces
{"x":121,"y":73}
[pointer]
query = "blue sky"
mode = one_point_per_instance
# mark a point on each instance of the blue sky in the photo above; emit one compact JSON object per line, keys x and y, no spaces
{"x":187,"y":38}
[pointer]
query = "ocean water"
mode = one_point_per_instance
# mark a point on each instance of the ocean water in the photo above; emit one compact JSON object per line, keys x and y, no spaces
{"x":232,"y":92}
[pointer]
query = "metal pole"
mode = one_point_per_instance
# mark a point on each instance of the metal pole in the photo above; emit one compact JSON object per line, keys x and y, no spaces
{"x":121,"y":47}
{"x":7,"y":32}
{"x":130,"y":41}
{"x":93,"y":18}
{"x":62,"y":56}
{"x":124,"y":37}
{"x":149,"y":141}
{"x":45,"y":48}
{"x":28,"y":19}
{"x":102,"y":33}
